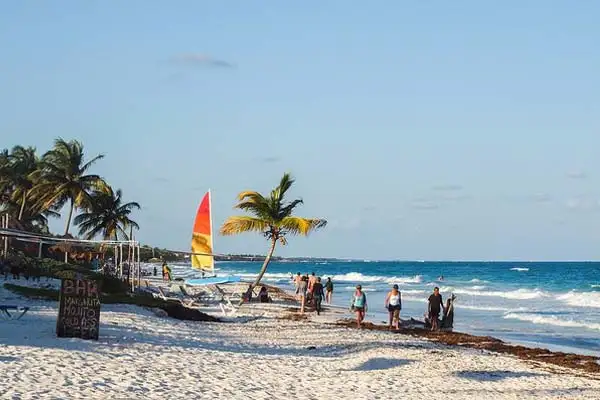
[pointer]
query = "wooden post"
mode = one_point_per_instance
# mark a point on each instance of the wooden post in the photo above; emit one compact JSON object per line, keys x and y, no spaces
{"x":40,"y":249}
{"x":121,"y":259}
{"x":116,"y":258}
{"x":139,"y":264}
{"x":2,"y":226}
{"x":6,"y":216}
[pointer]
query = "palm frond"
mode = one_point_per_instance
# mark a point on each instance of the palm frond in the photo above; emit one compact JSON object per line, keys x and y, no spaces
{"x":301,"y":226}
{"x":88,"y":164}
{"x":241,"y":223}
{"x":288,"y":209}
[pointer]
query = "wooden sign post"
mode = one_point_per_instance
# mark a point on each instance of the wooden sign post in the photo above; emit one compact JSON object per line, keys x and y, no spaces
{"x":78,"y":309}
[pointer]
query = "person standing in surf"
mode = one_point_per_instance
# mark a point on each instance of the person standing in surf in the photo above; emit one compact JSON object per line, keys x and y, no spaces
{"x":393,"y":302}
{"x":436,"y":304}
{"x":359,"y":305}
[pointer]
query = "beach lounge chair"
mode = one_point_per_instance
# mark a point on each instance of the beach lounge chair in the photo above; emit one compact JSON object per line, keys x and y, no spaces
{"x":225,"y":300}
{"x":197,"y":298}
{"x":5,"y":312}
{"x":180,"y":297}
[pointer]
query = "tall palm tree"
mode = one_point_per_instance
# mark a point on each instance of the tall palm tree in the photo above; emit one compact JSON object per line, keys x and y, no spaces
{"x":272,"y":217}
{"x":33,"y":218}
{"x":107,"y":217}
{"x":4,"y":173}
{"x":20,"y":174}
{"x":64,"y":178}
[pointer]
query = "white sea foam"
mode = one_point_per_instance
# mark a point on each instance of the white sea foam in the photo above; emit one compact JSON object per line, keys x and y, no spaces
{"x":489,"y":308}
{"x":475,"y":280}
{"x":520,"y":269}
{"x":358,"y":277}
{"x":595,"y":286}
{"x":581,"y":299}
{"x":552,"y":320}
{"x":519,"y":294}
{"x":478,"y":287}
{"x":363,"y":288}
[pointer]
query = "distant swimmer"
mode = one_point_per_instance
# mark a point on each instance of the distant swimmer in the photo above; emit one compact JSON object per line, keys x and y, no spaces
{"x":441,"y":278}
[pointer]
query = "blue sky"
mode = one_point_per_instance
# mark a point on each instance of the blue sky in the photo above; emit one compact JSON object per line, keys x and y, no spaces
{"x":420,"y":130}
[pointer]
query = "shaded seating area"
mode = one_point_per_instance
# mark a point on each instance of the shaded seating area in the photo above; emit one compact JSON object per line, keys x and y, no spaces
{"x":11,"y":312}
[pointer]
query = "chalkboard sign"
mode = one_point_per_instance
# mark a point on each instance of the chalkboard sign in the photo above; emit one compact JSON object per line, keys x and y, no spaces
{"x":78,"y":309}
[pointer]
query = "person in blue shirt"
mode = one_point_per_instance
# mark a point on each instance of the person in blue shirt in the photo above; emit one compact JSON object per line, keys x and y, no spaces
{"x":359,"y":305}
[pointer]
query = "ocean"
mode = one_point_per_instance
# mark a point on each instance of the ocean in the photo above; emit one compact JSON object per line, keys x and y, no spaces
{"x":555,"y":305}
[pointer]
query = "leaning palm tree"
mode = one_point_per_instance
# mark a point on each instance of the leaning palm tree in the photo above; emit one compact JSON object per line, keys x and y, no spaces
{"x":108,"y":217}
{"x":64,"y":178}
{"x":272,"y":217}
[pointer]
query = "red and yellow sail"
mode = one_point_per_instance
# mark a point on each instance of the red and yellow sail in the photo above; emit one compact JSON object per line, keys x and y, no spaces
{"x":202,"y":241}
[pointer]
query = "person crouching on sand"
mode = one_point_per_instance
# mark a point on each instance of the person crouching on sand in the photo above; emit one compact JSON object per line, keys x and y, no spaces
{"x":393,"y":302}
{"x":435,"y":305}
{"x":359,"y":305}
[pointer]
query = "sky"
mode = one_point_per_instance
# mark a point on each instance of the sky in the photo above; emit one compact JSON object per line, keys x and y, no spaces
{"x":463,"y":130}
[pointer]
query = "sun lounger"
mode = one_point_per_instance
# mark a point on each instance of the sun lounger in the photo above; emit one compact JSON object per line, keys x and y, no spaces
{"x":5,"y":312}
{"x":177,"y":297}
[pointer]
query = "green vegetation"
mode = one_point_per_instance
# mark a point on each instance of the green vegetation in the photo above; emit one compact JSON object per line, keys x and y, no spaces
{"x":272,"y":216}
{"x":34,"y":188}
{"x":173,"y":309}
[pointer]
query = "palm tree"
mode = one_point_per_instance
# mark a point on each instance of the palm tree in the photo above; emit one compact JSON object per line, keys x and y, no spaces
{"x":19,"y":175}
{"x":107,"y":217}
{"x":4,"y":173}
{"x":63,"y":178}
{"x":272,"y":217}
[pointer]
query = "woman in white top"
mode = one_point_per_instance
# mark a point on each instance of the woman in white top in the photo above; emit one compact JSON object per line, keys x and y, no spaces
{"x":393,"y":302}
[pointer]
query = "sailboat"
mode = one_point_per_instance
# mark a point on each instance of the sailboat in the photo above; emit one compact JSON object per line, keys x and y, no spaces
{"x":202,"y":238}
{"x":202,"y":255}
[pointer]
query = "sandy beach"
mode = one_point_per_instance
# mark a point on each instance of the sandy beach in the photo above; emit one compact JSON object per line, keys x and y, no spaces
{"x":143,"y":356}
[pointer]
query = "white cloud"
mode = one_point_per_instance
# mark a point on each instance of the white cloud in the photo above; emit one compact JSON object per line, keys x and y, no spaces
{"x":346,"y":224}
{"x":541,"y":198}
{"x":198,"y":59}
{"x":577,"y":174}
{"x":583,"y":203}
{"x":424,"y":204}
{"x":447,"y":188}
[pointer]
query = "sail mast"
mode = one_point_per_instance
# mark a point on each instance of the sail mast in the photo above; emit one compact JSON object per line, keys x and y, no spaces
{"x":212,"y":240}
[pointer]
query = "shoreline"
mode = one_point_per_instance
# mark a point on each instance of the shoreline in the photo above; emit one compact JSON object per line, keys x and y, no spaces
{"x":585,"y":363}
{"x":143,"y":355}
{"x":573,"y":361}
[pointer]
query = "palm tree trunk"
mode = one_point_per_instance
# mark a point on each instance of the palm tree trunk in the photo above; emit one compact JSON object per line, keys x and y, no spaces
{"x":68,"y":224}
{"x":266,"y":263}
{"x":23,"y":201}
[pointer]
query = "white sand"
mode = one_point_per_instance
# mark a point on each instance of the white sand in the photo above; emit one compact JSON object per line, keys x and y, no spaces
{"x":142,"y":356}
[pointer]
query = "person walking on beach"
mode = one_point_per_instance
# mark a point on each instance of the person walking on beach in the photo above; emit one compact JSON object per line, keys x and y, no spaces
{"x":296,"y":279}
{"x":359,"y":305}
{"x":317,"y":295}
{"x":301,"y":292}
{"x":436,"y":304}
{"x":393,"y":302}
{"x":328,"y":290}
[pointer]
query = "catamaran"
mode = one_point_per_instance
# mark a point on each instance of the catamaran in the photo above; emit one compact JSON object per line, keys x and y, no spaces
{"x":202,"y":255}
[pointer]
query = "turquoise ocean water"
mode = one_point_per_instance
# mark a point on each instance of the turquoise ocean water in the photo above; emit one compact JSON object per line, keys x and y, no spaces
{"x":545,"y":304}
